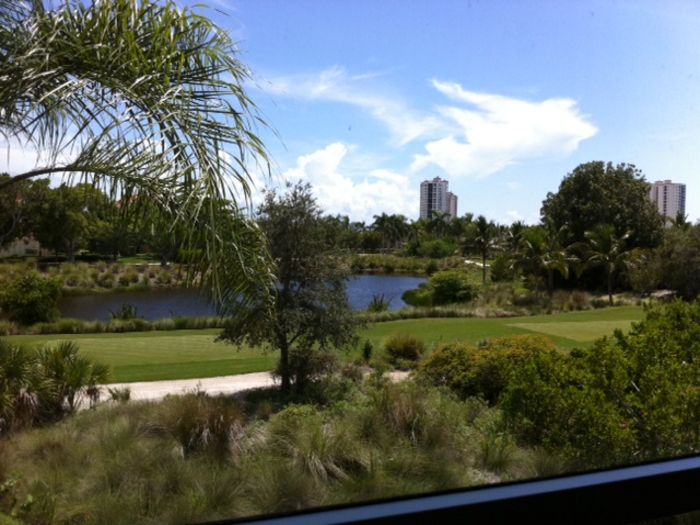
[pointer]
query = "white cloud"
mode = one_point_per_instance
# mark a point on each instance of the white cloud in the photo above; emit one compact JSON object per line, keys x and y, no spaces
{"x":497,"y":131}
{"x":335,"y":85}
{"x":381,"y":191}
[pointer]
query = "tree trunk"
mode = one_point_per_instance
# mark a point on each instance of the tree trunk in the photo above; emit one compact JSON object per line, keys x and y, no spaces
{"x":70,"y":251}
{"x":483,"y":267}
{"x":284,"y":365}
{"x":610,"y":288}
{"x":550,"y":283}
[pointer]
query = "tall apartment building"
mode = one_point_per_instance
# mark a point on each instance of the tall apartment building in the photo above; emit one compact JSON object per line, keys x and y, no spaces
{"x":669,"y":198}
{"x":435,"y":196}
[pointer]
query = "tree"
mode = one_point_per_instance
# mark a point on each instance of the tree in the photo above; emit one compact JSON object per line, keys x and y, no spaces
{"x":541,"y":252}
{"x":63,"y":220}
{"x":146,"y":95}
{"x":309,"y":313}
{"x":18,"y":204}
{"x":597,"y":193}
{"x":605,"y":248}
{"x":484,"y":240}
{"x":679,"y":260}
{"x":393,"y":229}
{"x":31,"y":299}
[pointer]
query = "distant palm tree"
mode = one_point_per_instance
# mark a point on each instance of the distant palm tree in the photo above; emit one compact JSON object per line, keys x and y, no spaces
{"x":607,"y":249}
{"x":438,"y":224}
{"x":485,"y":241}
{"x":540,"y":251}
{"x":393,"y":229}
{"x":147,"y":95}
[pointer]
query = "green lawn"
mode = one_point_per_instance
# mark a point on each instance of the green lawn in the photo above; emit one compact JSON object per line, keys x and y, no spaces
{"x":186,"y":354}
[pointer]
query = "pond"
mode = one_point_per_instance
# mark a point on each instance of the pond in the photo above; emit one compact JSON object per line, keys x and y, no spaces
{"x":157,"y":304}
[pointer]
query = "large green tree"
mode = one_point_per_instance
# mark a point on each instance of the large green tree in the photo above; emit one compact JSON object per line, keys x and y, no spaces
{"x":309,"y":314}
{"x":62,"y":222}
{"x":598,"y":193}
{"x":143,"y":94}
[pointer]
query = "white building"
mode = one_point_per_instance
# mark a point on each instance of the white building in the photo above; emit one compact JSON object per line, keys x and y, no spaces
{"x":434,"y":196}
{"x":669,"y":198}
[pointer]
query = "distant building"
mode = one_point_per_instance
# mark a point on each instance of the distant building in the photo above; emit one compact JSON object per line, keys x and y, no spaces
{"x":23,"y":247}
{"x":669,"y":198}
{"x":452,"y":204}
{"x":434,"y":196}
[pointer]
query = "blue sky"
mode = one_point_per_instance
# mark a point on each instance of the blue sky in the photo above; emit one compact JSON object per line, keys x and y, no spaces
{"x":503,"y":98}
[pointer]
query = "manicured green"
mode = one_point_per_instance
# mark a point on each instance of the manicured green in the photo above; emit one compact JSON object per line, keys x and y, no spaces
{"x":567,"y":330}
{"x":186,"y":354}
{"x":150,"y":356}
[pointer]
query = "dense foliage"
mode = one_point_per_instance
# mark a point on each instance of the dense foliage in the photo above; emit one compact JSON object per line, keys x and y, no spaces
{"x":631,"y":397}
{"x":444,"y":287}
{"x":30,"y":298}
{"x":597,"y":193}
{"x":480,"y":371}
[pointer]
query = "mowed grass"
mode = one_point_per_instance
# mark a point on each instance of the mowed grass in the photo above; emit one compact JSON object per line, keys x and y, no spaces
{"x":188,"y":354}
{"x":567,"y":330}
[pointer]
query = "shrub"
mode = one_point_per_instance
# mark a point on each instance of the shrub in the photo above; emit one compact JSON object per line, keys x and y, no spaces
{"x":31,"y":299}
{"x":125,"y":312}
{"x":483,"y":371}
{"x":451,"y":286}
{"x":71,"y":376}
{"x":200,"y":424}
{"x":120,"y":395}
{"x":307,"y":366}
{"x":436,"y":249}
{"x":124,"y":280}
{"x":367,"y":350}
{"x":404,"y":347}
{"x":500,"y":269}
{"x":379,"y":303}
{"x":106,"y":280}
{"x":431,"y":267}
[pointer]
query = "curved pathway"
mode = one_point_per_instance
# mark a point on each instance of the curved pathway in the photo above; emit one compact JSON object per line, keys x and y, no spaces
{"x":156,"y":390}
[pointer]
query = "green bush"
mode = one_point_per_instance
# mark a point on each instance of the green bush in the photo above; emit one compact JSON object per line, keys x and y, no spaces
{"x":482,"y":371}
{"x":404,"y":347}
{"x":31,"y":299}
{"x":500,"y":269}
{"x":436,"y":249}
{"x":451,"y":286}
{"x":634,"y":395}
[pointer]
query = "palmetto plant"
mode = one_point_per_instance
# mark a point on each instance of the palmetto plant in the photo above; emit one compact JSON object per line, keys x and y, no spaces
{"x":20,"y":387}
{"x":144,"y":96}
{"x":71,"y":377}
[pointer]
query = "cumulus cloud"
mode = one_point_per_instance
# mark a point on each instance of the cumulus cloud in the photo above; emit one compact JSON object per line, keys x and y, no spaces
{"x":335,"y":85}
{"x":498,"y":131}
{"x":380,"y":191}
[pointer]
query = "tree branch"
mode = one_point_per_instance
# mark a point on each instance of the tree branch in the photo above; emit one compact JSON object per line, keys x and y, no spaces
{"x":35,"y":173}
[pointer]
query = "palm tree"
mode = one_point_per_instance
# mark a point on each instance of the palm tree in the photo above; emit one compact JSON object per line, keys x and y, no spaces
{"x":393,"y":229}
{"x":540,"y":251}
{"x":145,"y":95}
{"x":607,"y":249}
{"x":439,"y":224}
{"x":484,"y":241}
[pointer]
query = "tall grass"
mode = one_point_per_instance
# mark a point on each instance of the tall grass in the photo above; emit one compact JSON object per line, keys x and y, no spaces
{"x":195,"y":458}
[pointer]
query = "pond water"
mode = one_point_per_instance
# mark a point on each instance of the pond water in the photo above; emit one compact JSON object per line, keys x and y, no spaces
{"x":157,"y":304}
